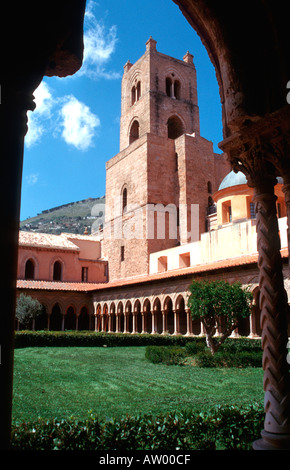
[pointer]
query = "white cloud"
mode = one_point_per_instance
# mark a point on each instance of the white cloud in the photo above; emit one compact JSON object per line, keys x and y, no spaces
{"x":32,"y":178}
{"x":99,"y":45}
{"x":78,"y":123}
{"x":44,"y":103}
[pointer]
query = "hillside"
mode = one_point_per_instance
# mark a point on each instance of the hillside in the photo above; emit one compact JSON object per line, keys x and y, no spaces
{"x":73,"y":217}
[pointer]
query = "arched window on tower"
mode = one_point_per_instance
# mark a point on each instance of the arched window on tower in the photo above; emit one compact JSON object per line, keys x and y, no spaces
{"x":29,"y":269}
{"x":134,"y":132}
{"x":135,"y":93}
{"x":138,"y":90}
{"x":124,"y":200}
{"x":173,"y":88}
{"x":175,"y":127}
{"x":168,"y":86}
{"x":177,"y":87}
{"x":57,"y":271}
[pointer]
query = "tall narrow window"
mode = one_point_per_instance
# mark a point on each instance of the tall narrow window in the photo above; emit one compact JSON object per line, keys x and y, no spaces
{"x":177,"y":89}
{"x":122,"y":253}
{"x":29,"y":269}
{"x":85,"y":273}
{"x":133,"y":95}
{"x":226,"y":212}
{"x":134,"y":132}
{"x":138,"y":90}
{"x":57,"y":271}
{"x":124,"y":200}
{"x":168,"y":86}
{"x":209,"y":187}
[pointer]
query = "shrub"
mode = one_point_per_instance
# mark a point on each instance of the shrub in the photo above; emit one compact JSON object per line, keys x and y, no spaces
{"x":91,"y":338}
{"x":194,"y":347}
{"x":170,"y":355}
{"x":229,"y":427}
{"x":224,"y":359}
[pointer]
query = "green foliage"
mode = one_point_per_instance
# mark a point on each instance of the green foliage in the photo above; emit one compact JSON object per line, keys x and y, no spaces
{"x":218,"y":303}
{"x":27,"y":309}
{"x":170,"y":355}
{"x":221,"y":428}
{"x":219,"y":298}
{"x":91,"y":338}
{"x":223,"y":359}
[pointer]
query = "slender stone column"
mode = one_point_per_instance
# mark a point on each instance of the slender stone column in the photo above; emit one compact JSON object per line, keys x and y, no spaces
{"x":257,"y":159}
{"x":153,"y":320}
{"x":164,"y":321}
{"x":188,"y":322}
{"x":134,"y":323}
{"x":143,"y":316}
{"x":176,"y":322}
{"x":273,"y":304}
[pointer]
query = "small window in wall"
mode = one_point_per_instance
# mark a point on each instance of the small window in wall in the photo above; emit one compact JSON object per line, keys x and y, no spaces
{"x":184,"y":260}
{"x":168,"y":86}
{"x":177,"y":88}
{"x":138,"y":91}
{"x":133,"y":95}
{"x":134,"y":132}
{"x":209,"y":187}
{"x":124,"y":200}
{"x":122,"y":253}
{"x":29,"y":269}
{"x":226,"y":212}
{"x":57,"y":271}
{"x":85,"y":272}
{"x":162,"y":264}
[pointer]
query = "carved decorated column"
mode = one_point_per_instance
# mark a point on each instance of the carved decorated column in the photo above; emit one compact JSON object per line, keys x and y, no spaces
{"x":255,"y":160}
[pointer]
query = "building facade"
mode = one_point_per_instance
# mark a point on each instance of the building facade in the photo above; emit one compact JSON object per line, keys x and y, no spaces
{"x":174,"y":211}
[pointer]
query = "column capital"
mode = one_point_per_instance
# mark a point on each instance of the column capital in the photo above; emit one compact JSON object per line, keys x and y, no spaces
{"x":261,"y":149}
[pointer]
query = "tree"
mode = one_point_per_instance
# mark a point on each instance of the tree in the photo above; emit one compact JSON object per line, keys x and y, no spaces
{"x":27,"y":309}
{"x":218,"y":302}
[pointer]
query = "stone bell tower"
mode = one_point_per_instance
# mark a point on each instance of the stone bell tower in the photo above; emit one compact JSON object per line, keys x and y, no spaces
{"x":163,"y":167}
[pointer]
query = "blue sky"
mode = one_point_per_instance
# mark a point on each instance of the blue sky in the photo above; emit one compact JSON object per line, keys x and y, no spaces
{"x":75,"y":127}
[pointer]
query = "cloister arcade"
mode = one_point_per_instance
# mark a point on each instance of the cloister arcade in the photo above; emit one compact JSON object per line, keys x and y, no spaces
{"x":165,"y":313}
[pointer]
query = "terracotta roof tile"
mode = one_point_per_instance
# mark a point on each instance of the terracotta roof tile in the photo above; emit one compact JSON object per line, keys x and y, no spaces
{"x":191,"y":270}
{"x":45,"y":240}
{"x":56,"y":285}
{"x":85,"y":287}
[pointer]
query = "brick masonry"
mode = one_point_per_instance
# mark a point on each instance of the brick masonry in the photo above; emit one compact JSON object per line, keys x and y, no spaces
{"x":162,"y":160}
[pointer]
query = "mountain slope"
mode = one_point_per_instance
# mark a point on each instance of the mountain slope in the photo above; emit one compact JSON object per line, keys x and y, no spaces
{"x":72,"y":218}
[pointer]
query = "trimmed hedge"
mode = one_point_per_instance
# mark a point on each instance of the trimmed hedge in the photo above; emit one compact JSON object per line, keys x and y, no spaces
{"x":28,"y":338}
{"x":229,"y":427}
{"x":224,"y":359}
{"x":90,"y":338}
{"x":170,"y":355}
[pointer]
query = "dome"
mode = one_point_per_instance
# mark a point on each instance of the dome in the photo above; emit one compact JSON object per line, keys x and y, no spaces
{"x":233,"y":179}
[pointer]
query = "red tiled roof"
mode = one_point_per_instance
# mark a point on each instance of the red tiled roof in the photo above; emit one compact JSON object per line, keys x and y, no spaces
{"x":191,"y":270}
{"x":56,"y":285}
{"x":45,"y":240}
{"x":175,"y":273}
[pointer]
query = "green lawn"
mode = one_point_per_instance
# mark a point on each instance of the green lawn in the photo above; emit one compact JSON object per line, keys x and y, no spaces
{"x":71,"y":381}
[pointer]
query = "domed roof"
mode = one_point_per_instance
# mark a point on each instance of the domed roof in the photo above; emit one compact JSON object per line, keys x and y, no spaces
{"x":233,"y":179}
